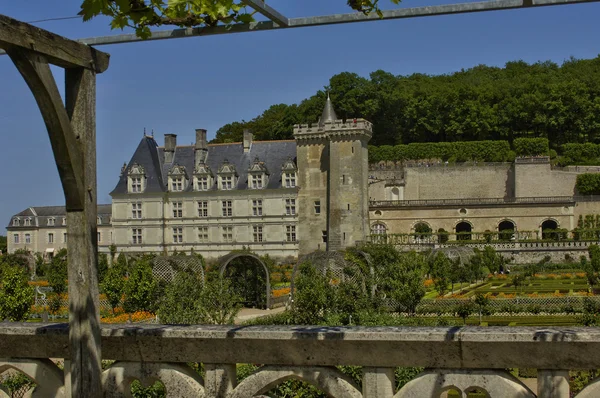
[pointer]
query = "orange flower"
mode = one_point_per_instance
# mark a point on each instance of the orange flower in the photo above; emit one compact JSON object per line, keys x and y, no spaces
{"x":428,"y":282}
{"x":281,"y":292}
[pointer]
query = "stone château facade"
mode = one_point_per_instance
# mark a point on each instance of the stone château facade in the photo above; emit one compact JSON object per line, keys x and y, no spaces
{"x":316,"y":192}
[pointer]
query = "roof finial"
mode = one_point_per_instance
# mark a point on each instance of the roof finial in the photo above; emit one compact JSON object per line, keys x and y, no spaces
{"x":152,"y":133}
{"x":328,"y":114}
{"x":144,"y":131}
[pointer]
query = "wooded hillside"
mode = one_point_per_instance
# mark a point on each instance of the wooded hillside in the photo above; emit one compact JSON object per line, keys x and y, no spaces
{"x":561,"y":103}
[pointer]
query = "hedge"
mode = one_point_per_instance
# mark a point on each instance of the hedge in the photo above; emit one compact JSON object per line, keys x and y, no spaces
{"x":588,"y":184}
{"x":461,"y":151}
{"x":581,"y":153}
{"x":531,"y":146}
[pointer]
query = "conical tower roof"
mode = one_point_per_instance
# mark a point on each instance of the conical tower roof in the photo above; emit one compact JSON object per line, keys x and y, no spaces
{"x":328,"y":114}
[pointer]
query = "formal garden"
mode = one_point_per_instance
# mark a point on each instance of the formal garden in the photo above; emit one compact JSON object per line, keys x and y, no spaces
{"x":374,"y":285}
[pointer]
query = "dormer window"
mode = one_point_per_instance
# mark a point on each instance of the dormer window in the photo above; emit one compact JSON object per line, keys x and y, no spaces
{"x":289,"y":173}
{"x":258,"y":175}
{"x":178,"y":178}
{"x":16,"y":222}
{"x":64,"y":221}
{"x":99,"y":221}
{"x":203,"y":177}
{"x":227,"y":176}
{"x":51,"y":222}
{"x":28,"y":222}
{"x":136,"y":179}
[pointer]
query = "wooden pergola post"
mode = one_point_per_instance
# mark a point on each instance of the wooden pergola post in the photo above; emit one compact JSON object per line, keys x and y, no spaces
{"x":72,"y":132}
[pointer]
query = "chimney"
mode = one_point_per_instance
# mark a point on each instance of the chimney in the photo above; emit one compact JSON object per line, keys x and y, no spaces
{"x":247,"y":140}
{"x":170,"y":144}
{"x":201,"y":148}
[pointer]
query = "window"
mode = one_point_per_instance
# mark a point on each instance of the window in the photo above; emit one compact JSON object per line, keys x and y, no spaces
{"x":203,"y":183}
{"x":136,"y":210}
{"x":203,"y":234}
{"x":28,"y":222}
{"x":50,"y":237}
{"x":256,"y":181}
{"x":324,"y":236}
{"x":64,"y":222}
{"x":227,"y":234}
{"x":290,"y":207}
{"x":136,"y":234}
{"x":257,"y":207}
{"x":378,"y":229}
{"x":227,"y":208}
{"x":99,"y":220}
{"x":51,"y":222}
{"x":177,"y":184}
{"x":136,"y":184}
{"x":203,"y":208}
{"x":177,"y":209}
{"x":99,"y":237}
{"x":290,"y":180}
{"x":64,"y":237}
{"x":27,"y":238}
{"x":226,"y":182}
{"x":257,"y":233}
{"x":16,"y":238}
{"x":290,"y":233}
{"x":178,"y":235}
{"x":317,"y":207}
{"x":16,"y":222}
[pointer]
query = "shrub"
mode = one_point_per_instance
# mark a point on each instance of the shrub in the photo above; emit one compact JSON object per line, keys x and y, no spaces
{"x":588,"y":184}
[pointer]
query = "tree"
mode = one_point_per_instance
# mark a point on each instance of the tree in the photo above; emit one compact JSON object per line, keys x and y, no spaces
{"x":141,"y":288}
{"x":3,"y":245}
{"x":482,"y":301}
{"x":141,"y":14}
{"x":179,"y":304}
{"x":441,"y":273}
{"x":16,"y":296}
{"x":58,"y":272}
{"x":113,"y":285}
{"x":313,"y":296}
{"x":219,"y":303}
{"x":464,"y":310}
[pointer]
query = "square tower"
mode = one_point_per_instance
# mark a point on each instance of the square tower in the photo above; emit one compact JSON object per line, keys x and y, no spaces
{"x":333,"y":200}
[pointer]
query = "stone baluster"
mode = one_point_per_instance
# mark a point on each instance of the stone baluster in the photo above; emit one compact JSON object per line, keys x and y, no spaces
{"x":378,"y":382}
{"x":553,"y":383}
{"x":219,"y":380}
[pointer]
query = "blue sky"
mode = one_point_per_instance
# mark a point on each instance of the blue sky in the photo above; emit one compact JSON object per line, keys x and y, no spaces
{"x":175,"y":86}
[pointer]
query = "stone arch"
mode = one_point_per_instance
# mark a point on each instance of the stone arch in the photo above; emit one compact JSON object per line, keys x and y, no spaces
{"x":592,"y":390}
{"x":329,"y":380}
{"x":179,"y":379}
{"x":225,"y":260}
{"x":504,"y":228}
{"x":49,"y":379}
{"x":379,"y":227}
{"x":463,"y":229}
{"x":495,"y":383}
{"x":549,"y":224}
{"x":421,"y":229}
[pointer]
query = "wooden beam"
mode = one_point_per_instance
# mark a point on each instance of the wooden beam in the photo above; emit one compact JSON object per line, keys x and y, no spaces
{"x":56,"y":49}
{"x":65,"y":143}
{"x":268,"y":11}
{"x":84,"y":316}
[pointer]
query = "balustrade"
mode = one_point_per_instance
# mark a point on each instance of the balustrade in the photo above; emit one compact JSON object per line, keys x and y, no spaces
{"x":462,"y":359}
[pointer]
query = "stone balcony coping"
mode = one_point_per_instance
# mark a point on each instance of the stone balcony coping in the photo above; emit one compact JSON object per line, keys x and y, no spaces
{"x":436,"y":347}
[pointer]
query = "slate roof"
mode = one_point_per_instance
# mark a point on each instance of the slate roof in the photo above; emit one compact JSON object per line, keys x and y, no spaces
{"x":149,"y":155}
{"x":43,"y":213}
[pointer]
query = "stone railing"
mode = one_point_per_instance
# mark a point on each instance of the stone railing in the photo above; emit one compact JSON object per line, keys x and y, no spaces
{"x":464,"y":359}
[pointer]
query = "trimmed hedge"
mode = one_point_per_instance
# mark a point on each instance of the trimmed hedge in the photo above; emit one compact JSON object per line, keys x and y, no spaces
{"x":461,"y":151}
{"x":531,"y":146}
{"x":581,"y":153}
{"x":588,"y":184}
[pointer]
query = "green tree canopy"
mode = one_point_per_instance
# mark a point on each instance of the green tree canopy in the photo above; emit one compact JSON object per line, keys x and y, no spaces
{"x":16,"y":296}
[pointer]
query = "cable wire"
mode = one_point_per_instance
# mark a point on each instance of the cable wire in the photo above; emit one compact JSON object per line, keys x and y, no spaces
{"x":54,"y":19}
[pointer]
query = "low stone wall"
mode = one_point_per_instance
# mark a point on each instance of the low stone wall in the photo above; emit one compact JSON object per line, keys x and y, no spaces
{"x":462,"y":358}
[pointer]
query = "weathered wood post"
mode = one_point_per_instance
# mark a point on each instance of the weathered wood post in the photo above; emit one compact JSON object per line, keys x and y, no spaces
{"x":72,"y":132}
{"x":84,"y":314}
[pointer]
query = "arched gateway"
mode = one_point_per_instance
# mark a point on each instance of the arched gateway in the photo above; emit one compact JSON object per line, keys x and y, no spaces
{"x":250,"y":277}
